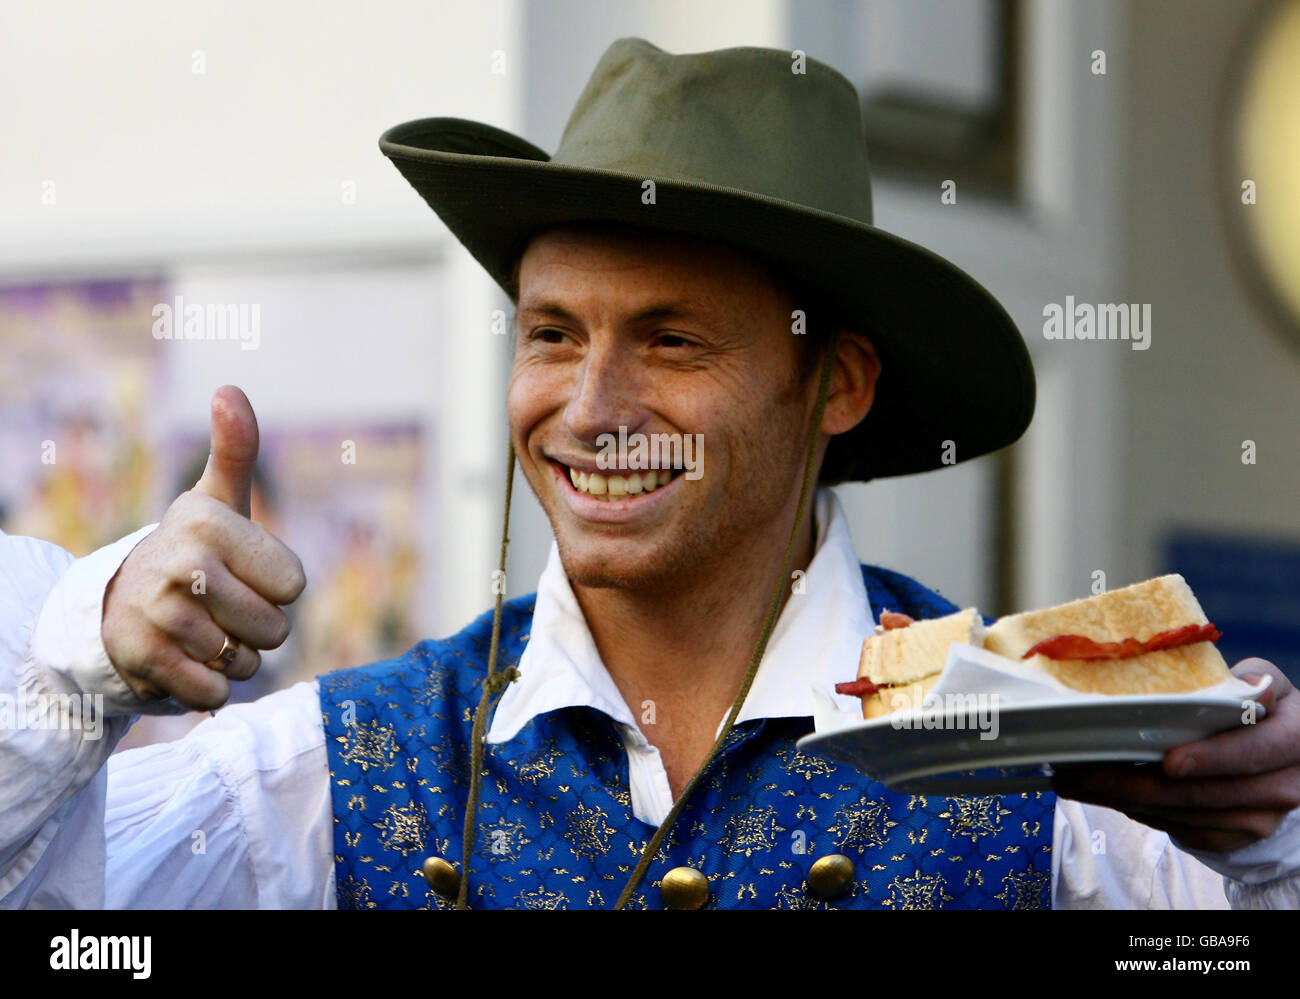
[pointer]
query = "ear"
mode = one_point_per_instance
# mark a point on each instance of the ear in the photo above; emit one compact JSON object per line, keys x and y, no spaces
{"x":853,"y":382}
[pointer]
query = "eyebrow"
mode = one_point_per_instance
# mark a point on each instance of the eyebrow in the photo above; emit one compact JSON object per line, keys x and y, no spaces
{"x":655,"y":311}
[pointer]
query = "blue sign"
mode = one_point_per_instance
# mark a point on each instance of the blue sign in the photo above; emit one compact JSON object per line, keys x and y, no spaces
{"x":1249,"y":587}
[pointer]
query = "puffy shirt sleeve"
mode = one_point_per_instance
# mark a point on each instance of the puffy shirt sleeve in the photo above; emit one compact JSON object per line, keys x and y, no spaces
{"x":1105,"y":860}
{"x":237,"y":814}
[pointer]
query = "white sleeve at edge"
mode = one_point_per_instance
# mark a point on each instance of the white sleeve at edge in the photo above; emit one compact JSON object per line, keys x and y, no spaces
{"x":237,"y":814}
{"x":1264,"y":875}
{"x":52,"y":781}
{"x":1105,"y":860}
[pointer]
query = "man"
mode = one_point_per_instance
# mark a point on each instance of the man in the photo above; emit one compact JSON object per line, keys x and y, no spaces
{"x":638,"y":747}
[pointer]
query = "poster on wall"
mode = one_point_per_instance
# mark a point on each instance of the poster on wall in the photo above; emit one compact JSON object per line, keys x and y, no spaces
{"x":90,"y":456}
{"x":78,"y":440}
{"x":346,"y":498}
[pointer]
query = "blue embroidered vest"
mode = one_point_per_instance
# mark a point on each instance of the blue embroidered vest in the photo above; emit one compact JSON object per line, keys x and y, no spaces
{"x":555,"y":822}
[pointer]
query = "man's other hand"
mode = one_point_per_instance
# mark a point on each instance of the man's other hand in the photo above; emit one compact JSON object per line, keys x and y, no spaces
{"x":1219,"y":794}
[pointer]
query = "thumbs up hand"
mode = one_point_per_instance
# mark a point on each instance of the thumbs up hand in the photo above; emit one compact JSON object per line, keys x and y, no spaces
{"x":206,"y":578}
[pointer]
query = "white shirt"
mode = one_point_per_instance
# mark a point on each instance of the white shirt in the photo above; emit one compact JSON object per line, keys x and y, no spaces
{"x":238,"y":813}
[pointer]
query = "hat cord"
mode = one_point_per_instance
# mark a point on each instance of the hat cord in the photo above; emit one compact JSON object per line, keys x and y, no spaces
{"x":823,"y":390}
{"x":494,"y":684}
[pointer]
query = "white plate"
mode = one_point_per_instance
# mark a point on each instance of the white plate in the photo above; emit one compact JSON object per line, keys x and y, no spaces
{"x":1031,"y":740}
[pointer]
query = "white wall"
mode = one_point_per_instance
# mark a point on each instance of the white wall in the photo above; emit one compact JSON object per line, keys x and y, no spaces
{"x":324,"y":358}
{"x":1217,"y":372}
{"x":148,"y":155}
{"x":237,"y":172}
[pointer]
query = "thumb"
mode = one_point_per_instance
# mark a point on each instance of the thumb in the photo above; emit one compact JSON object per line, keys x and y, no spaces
{"x":1252,"y":670}
{"x":229,"y":473}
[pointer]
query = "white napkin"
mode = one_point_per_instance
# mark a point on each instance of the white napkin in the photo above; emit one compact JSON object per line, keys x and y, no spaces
{"x":973,"y":670}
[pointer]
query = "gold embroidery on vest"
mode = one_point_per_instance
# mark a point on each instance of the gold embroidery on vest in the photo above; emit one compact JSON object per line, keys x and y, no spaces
{"x":974,"y":817}
{"x":861,"y":825}
{"x":1024,"y":889}
{"x":501,"y":840}
{"x":370,"y":746}
{"x":752,"y":832}
{"x":794,"y":761}
{"x":354,"y":894}
{"x":540,"y":767}
{"x":539,"y":898}
{"x":404,"y":828}
{"x":589,"y":832}
{"x":920,"y":891}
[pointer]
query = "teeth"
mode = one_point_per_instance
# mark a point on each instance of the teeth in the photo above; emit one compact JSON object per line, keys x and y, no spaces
{"x":618,"y":486}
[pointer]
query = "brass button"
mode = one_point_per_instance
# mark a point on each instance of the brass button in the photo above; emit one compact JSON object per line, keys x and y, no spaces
{"x":831,"y":876}
{"x":685,"y":888}
{"x":442,"y":877}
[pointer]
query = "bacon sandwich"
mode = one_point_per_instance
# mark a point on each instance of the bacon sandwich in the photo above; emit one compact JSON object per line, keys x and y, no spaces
{"x":1148,"y":638}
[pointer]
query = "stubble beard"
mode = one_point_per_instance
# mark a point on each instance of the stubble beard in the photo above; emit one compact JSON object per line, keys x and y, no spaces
{"x":695,"y":544}
{"x":707,"y":536}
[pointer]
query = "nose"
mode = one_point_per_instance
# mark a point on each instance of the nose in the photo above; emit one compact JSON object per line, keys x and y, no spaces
{"x":606,"y":395}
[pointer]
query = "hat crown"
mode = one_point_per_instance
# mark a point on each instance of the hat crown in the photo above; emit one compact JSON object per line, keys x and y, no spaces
{"x":741,"y":118}
{"x":759,"y":156}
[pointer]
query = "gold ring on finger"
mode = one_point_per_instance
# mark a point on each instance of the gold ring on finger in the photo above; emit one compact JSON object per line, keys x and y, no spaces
{"x":222,"y":660}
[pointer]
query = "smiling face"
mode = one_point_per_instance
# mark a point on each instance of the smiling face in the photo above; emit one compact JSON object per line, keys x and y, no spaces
{"x":658,"y":335}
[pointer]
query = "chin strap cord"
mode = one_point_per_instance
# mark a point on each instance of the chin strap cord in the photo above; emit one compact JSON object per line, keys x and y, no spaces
{"x":494,"y":683}
{"x":652,"y":848}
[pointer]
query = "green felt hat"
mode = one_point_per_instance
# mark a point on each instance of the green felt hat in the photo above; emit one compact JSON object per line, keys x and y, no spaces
{"x":746,"y":150}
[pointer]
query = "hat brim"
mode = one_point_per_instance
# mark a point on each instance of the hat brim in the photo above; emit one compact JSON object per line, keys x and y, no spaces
{"x":956,"y":379}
